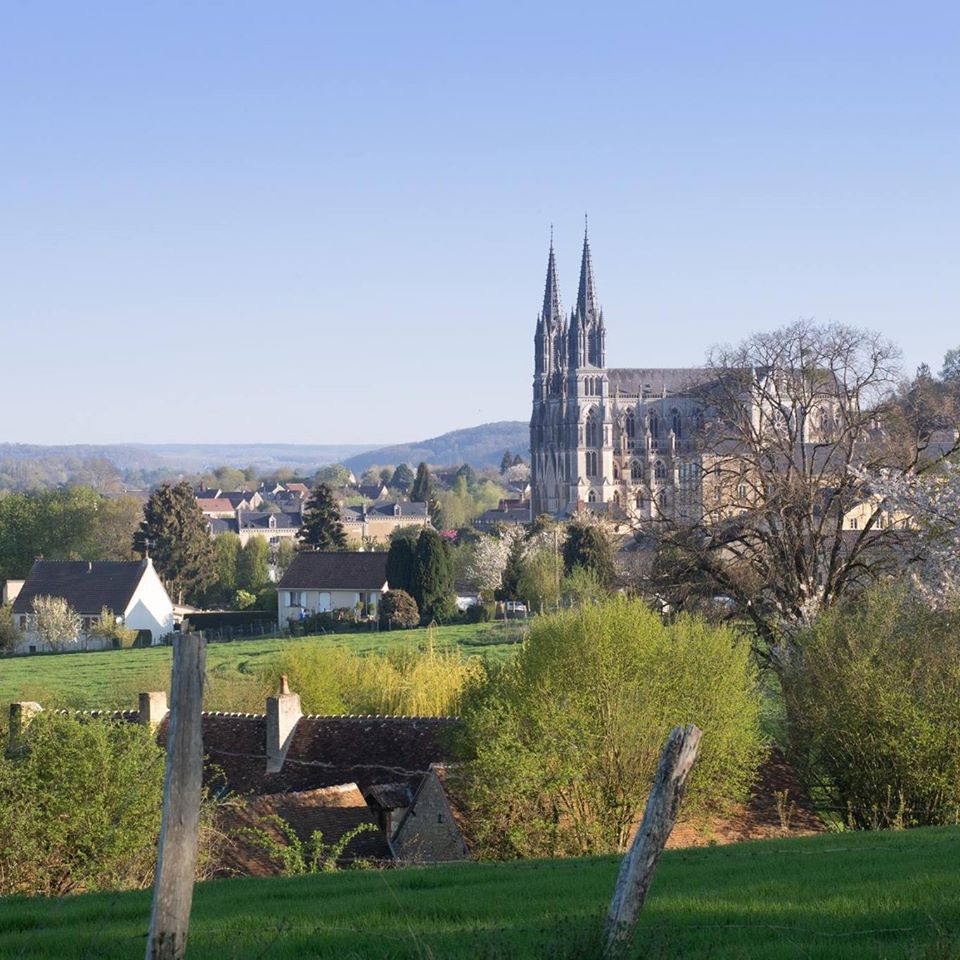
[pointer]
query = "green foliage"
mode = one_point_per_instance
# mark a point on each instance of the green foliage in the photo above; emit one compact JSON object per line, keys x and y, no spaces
{"x":79,"y":807}
{"x":107,"y":628}
{"x":581,"y":586}
{"x":873,"y":705}
{"x":951,"y":365}
{"x":175,"y":533}
{"x":588,"y":546}
{"x":398,"y":609}
{"x":466,"y":500}
{"x":561,"y":744}
{"x":402,"y":479}
{"x":479,"y":613}
{"x":422,"y":489}
{"x":433,"y":582}
{"x":74,"y":523}
{"x":507,"y":462}
{"x":244,"y":600}
{"x":509,"y":588}
{"x":253,"y":564}
{"x":539,"y":579}
{"x":280,"y":842}
{"x":226,"y":549}
{"x":401,"y":560}
{"x":334,"y":475}
{"x":267,"y":599}
{"x":10,"y":634}
{"x":405,"y":681}
{"x":321,"y":527}
{"x":283,"y":556}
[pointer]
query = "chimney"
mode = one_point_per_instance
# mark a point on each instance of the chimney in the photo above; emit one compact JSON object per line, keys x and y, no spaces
{"x":153,"y":708}
{"x":20,"y":716}
{"x":283,"y":712}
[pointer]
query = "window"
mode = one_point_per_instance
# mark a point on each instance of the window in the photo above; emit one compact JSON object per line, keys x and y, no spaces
{"x":636,"y":471}
{"x":592,"y":463}
{"x":659,"y":471}
{"x":639,"y":501}
{"x":742,"y":491}
{"x":295,"y":599}
{"x":592,"y":497}
{"x":593,"y":429}
{"x":677,"y":423}
{"x":654,"y":426}
{"x":630,"y":426}
{"x":854,"y":523}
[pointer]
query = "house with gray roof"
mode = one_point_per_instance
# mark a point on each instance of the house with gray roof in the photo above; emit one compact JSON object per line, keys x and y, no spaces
{"x":323,"y":582}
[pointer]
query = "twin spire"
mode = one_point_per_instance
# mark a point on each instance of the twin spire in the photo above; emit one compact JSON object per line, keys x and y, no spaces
{"x":586,"y":343}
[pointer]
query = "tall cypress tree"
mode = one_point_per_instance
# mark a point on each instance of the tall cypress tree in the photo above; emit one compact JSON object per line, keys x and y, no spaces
{"x":421,"y":491}
{"x":320,"y":527}
{"x":401,"y":562}
{"x":433,"y":581}
{"x":175,"y":535}
{"x":588,"y":546}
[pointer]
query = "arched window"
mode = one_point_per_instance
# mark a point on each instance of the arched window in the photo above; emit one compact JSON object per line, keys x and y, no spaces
{"x":616,"y":497}
{"x":631,"y":428}
{"x":593,"y":429}
{"x":659,"y":471}
{"x":654,"y":426}
{"x":639,"y":501}
{"x":676,"y":423}
{"x":616,"y":471}
{"x":636,"y":471}
{"x":591,"y":497}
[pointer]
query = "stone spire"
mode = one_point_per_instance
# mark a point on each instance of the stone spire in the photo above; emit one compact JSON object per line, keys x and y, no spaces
{"x":552,"y":310}
{"x":587,"y":306}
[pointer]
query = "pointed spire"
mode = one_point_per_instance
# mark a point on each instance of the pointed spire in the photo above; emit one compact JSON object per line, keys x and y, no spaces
{"x":587,"y":306}
{"x":552,"y":310}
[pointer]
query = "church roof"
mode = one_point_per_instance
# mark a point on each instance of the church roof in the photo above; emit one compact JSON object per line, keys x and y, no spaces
{"x":654,"y":381}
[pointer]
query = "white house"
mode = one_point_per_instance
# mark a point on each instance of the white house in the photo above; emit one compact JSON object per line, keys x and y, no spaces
{"x":130,"y":589}
{"x":319,"y":582}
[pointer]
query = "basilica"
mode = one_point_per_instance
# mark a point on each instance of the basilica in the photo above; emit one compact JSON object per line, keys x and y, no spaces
{"x":615,"y":436}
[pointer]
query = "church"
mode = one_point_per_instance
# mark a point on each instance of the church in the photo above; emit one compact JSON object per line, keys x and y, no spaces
{"x":616,"y":436}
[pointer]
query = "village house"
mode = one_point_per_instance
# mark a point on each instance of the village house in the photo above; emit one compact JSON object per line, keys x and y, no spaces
{"x":321,"y":582}
{"x":374,"y":523}
{"x":131,"y":590}
{"x":273,"y":527}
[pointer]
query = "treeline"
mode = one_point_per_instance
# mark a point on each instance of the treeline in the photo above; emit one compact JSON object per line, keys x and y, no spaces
{"x":73,"y":523}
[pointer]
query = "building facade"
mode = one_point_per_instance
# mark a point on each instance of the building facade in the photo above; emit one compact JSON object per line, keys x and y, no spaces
{"x":607,"y":435}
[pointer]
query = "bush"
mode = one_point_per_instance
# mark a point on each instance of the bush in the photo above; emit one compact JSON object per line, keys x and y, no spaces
{"x":398,"y":609}
{"x":79,"y":807}
{"x":562,"y":743}
{"x":10,"y":634}
{"x":873,"y":707}
{"x":478,"y":613}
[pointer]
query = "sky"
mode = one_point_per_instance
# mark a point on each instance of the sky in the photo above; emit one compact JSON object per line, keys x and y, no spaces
{"x":326,"y":223}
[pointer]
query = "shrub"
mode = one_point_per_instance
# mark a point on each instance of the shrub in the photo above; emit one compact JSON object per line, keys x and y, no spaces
{"x":478,"y":613}
{"x":873,"y":707}
{"x":107,"y":628}
{"x":10,"y":634}
{"x":56,"y":622}
{"x":562,"y":743}
{"x":244,"y":600}
{"x":79,"y":807}
{"x":399,"y":609}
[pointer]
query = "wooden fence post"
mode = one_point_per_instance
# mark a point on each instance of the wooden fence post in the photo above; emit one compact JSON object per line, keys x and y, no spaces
{"x":640,"y":862}
{"x":177,"y":853}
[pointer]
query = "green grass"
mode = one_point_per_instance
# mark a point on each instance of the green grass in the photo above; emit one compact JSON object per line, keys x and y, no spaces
{"x":835,"y":897}
{"x":112,"y":678}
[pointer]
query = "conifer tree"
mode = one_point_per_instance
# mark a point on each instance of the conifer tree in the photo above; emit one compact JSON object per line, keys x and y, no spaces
{"x":401,"y":559}
{"x":402,"y":479}
{"x":507,"y":462}
{"x":421,"y":491}
{"x":175,"y":535}
{"x":589,"y":547}
{"x":321,"y":527}
{"x":433,"y":586}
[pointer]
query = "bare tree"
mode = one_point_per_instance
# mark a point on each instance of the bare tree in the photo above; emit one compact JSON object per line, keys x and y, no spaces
{"x":795,"y":423}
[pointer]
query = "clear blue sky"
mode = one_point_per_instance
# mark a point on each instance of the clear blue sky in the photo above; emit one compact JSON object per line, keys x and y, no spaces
{"x":328,"y":222}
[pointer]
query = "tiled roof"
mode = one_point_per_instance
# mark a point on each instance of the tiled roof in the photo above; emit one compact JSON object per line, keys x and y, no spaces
{"x":318,"y":570}
{"x":260,"y":520}
{"x":323,"y":752}
{"x":216,"y":505}
{"x":334,"y":811}
{"x":87,"y":586}
{"x":653,"y":381}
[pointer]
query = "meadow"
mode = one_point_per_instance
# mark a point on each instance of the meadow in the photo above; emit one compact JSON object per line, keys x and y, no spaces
{"x":882,"y":896}
{"x":111,"y":679}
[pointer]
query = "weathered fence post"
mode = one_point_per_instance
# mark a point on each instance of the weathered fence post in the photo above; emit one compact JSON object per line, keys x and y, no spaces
{"x":177,"y":853}
{"x":640,"y":861}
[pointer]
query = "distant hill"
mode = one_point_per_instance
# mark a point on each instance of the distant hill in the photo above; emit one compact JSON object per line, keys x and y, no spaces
{"x":481,"y":446}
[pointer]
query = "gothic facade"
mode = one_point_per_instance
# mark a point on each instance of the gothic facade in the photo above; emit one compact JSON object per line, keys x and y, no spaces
{"x":613,"y":436}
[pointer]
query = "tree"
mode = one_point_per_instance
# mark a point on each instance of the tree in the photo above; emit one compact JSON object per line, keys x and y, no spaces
{"x":433,"y":583}
{"x":489,"y":560}
{"x":559,"y":748}
{"x":10,"y":634}
{"x":283,"y":557}
{"x":796,"y":422}
{"x":588,"y":546}
{"x":506,"y":462}
{"x":321,"y":527}
{"x":512,"y":571}
{"x":399,"y":609}
{"x":402,"y":479}
{"x":226,"y":549}
{"x":110,"y":629}
{"x":401,"y":560}
{"x":175,"y":534}
{"x":335,"y":475}
{"x":951,"y":365}
{"x":422,"y":489}
{"x":385,"y":475}
{"x":56,"y":623}
{"x":253,"y":565}
{"x":539,"y":583}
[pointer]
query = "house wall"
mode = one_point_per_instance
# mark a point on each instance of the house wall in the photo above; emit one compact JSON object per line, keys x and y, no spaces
{"x":379,"y":530}
{"x":429,"y":833}
{"x":11,"y":590}
{"x":323,"y":601}
{"x":150,"y":607}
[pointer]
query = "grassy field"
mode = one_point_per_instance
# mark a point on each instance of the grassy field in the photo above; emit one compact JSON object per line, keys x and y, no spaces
{"x":833,"y":897}
{"x":112,"y":678}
